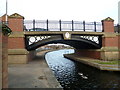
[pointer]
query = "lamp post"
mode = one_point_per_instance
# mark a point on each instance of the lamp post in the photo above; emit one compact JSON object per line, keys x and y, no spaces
{"x":6,"y":17}
{"x":119,"y":12}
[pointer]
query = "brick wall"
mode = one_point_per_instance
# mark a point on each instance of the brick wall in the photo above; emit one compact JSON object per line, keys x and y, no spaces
{"x":96,"y":54}
{"x":16,"y":25}
{"x":110,"y":41}
{"x":4,"y":61}
{"x":16,"y":43}
{"x":108,"y":25}
{"x":0,"y":55}
{"x":119,"y":45}
{"x":110,"y":44}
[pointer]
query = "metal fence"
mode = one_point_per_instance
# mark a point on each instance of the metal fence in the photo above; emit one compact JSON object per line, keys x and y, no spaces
{"x":52,"y":25}
{"x":117,"y":28}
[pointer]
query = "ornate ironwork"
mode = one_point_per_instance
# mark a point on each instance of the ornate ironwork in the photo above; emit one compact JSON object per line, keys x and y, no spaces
{"x":97,"y":39}
{"x":91,"y":38}
{"x":33,"y":39}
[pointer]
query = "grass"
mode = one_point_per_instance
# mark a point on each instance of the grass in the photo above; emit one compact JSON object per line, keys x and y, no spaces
{"x":108,"y":62}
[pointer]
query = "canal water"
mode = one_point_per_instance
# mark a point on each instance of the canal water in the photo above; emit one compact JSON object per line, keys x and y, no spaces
{"x":75,"y":76}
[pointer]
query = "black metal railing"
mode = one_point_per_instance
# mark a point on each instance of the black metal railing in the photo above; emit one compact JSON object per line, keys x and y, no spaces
{"x":117,"y":28}
{"x":52,"y":25}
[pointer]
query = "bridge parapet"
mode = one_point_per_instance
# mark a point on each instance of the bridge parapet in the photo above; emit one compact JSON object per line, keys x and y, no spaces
{"x":52,"y":25}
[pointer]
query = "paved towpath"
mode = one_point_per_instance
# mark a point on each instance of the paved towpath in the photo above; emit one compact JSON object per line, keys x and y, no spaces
{"x":35,"y":74}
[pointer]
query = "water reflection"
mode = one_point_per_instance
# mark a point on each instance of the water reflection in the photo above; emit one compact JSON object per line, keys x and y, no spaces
{"x":75,"y":75}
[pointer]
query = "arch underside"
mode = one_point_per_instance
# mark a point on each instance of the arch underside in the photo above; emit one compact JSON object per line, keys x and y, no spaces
{"x":80,"y":43}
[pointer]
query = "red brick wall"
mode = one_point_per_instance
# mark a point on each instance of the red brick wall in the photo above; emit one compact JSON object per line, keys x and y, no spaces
{"x":88,"y":53}
{"x":16,"y":43}
{"x":3,"y":18}
{"x":16,"y":24}
{"x":119,"y":41}
{"x":119,"y":45}
{"x":0,"y":59}
{"x":110,"y":41}
{"x":4,"y":61}
{"x":108,"y":26}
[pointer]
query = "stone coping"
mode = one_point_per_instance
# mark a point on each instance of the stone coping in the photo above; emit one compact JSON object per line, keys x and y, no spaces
{"x":89,"y":61}
{"x":62,"y":32}
{"x":110,"y":35}
{"x":103,"y":49}
{"x":109,"y":49}
{"x":17,"y":52}
{"x":17,"y":34}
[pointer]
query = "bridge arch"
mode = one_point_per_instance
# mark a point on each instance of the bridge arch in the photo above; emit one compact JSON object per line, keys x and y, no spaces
{"x":76,"y":42}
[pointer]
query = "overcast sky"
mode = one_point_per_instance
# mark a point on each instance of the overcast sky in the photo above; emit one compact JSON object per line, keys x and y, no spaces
{"x":88,"y":10}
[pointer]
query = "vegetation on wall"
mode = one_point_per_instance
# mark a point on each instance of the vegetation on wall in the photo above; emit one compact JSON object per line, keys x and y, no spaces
{"x":6,"y":30}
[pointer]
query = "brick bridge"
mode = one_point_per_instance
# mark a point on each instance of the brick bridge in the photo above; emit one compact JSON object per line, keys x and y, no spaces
{"x":95,"y":40}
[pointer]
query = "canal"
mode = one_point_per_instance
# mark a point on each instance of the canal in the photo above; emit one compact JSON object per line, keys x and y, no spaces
{"x":75,"y":76}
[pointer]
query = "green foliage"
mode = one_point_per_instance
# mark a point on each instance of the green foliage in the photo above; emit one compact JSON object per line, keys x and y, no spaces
{"x":108,"y":62}
{"x":6,"y":30}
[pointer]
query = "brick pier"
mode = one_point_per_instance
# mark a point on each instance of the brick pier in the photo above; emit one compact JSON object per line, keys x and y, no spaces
{"x":110,"y":44}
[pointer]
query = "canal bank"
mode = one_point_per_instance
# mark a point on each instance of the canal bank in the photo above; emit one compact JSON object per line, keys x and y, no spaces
{"x":77,"y":76}
{"x":101,"y":65}
{"x":35,"y":74}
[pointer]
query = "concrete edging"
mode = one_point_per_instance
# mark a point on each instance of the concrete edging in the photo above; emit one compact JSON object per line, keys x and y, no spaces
{"x":96,"y":65}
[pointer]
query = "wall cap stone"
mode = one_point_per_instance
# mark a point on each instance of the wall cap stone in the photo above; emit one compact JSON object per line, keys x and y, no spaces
{"x":17,"y":52}
{"x":58,"y":32}
{"x":108,"y":19}
{"x":16,"y":15}
{"x":112,"y":49}
{"x":17,"y":34}
{"x":110,"y":35}
{"x":90,"y":50}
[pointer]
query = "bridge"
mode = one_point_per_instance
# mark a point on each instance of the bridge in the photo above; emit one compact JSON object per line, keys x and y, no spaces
{"x":90,"y":39}
{"x":42,"y":32}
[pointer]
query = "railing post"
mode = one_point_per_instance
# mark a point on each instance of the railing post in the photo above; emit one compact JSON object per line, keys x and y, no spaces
{"x":60,"y":25}
{"x":72,"y":25}
{"x":34,"y":24}
{"x":47,"y":25}
{"x":95,"y":26}
{"x":118,"y":28}
{"x":84,"y":26}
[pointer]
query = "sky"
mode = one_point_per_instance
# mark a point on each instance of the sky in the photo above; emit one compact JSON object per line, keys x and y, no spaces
{"x":77,"y":10}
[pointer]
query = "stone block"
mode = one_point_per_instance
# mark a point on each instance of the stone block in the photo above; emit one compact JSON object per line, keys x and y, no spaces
{"x":17,"y":59}
{"x":17,"y":56}
{"x":112,"y":55}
